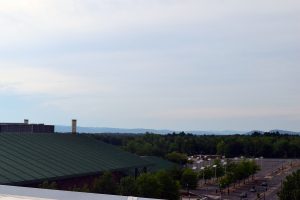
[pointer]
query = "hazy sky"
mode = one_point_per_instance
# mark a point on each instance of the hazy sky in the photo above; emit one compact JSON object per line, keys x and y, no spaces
{"x":183,"y":65}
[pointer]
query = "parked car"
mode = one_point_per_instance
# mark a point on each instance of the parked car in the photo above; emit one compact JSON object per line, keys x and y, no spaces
{"x":264,"y":184}
{"x":252,"y":189}
{"x":243,"y":195}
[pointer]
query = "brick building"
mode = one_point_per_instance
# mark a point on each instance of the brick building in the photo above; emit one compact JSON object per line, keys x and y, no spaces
{"x":25,"y":128}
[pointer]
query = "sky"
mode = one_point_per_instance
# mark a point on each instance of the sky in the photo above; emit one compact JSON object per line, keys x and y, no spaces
{"x":161,"y":64}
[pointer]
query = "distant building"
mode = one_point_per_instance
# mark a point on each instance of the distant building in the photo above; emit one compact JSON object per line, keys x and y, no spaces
{"x":25,"y":128}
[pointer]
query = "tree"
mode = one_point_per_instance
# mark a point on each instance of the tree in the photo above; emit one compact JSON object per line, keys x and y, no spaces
{"x":291,"y":187}
{"x":176,"y":157}
{"x":221,"y":148}
{"x":148,"y":186}
{"x":128,"y":186}
{"x":189,"y":179}
{"x":208,"y":173}
{"x":224,"y":181}
{"x":105,"y":184}
{"x":170,"y":187}
{"x":219,"y":169}
{"x":176,"y":173}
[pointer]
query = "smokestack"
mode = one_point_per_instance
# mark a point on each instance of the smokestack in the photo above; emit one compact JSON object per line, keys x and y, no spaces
{"x":74,"y":126}
{"x":26,"y":121}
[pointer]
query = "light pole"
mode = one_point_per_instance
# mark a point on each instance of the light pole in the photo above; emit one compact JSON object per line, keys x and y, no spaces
{"x":187,"y":188}
{"x":215,"y":166}
{"x":261,"y":158}
{"x":209,"y":160}
{"x":225,"y":163}
{"x":198,"y":163}
{"x":202,"y":168}
{"x":256,"y":159}
{"x":201,"y":161}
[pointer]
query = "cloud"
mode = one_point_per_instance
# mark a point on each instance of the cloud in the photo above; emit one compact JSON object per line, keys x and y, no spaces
{"x":133,"y":62}
{"x":35,"y":21}
{"x":233,"y":112}
{"x":45,"y":81}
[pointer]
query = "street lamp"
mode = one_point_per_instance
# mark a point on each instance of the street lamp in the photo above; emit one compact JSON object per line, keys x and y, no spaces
{"x":188,"y":191}
{"x":209,"y":160}
{"x":225,"y":163}
{"x":201,"y":161}
{"x":215,"y":166}
{"x":261,"y":158}
{"x":202,"y":168}
{"x":198,"y":162}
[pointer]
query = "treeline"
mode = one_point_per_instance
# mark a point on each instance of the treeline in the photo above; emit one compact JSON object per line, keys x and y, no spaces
{"x":164,"y":184}
{"x":269,"y":145}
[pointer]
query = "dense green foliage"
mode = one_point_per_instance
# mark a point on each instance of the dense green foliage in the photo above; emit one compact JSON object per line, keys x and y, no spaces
{"x":105,"y":184}
{"x":170,"y":186}
{"x":148,"y":186}
{"x":161,"y":185}
{"x":269,"y":145}
{"x":189,"y":179}
{"x":176,"y":157}
{"x":128,"y":186}
{"x":154,"y":185}
{"x":291,"y":187}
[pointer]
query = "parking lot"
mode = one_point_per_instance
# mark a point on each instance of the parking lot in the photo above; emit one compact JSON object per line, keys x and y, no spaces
{"x":265,"y":185}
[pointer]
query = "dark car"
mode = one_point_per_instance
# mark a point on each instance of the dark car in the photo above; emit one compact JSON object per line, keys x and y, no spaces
{"x":252,"y":189}
{"x":243,"y":195}
{"x":264,"y":184}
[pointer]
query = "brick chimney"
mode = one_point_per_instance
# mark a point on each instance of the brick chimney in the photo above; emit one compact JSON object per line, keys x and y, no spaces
{"x":74,"y":126}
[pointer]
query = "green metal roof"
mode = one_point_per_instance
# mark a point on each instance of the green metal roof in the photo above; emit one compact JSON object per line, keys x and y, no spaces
{"x":158,"y":163}
{"x":29,"y":158}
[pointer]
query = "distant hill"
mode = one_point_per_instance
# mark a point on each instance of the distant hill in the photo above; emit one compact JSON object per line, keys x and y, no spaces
{"x":65,"y":129}
{"x":274,"y":131}
{"x":225,"y":132}
{"x":285,"y":132}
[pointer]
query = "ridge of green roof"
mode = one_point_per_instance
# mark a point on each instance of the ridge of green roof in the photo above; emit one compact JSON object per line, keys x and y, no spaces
{"x":26,"y":158}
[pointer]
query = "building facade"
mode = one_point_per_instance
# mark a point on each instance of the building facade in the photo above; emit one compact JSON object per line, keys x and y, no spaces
{"x":25,"y":128}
